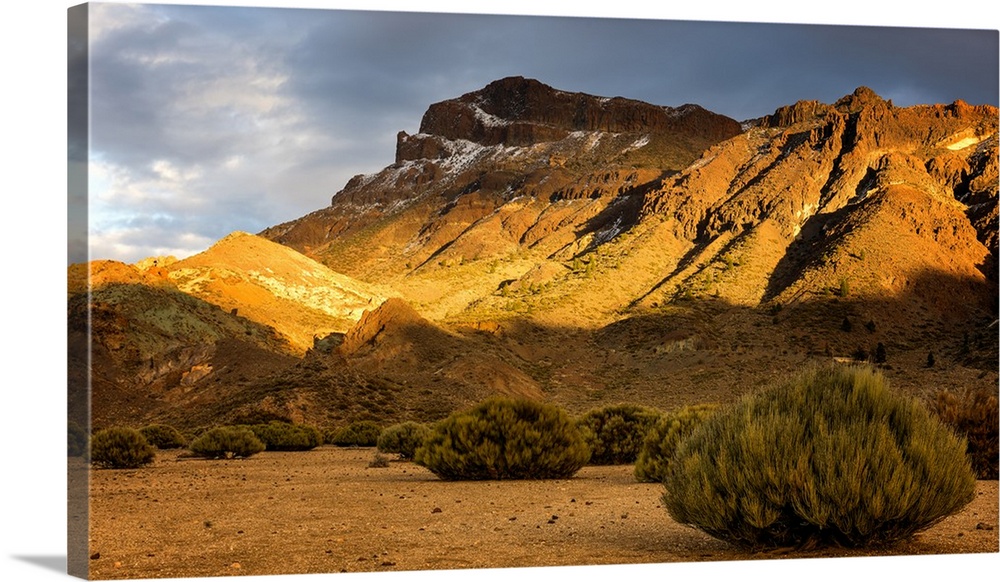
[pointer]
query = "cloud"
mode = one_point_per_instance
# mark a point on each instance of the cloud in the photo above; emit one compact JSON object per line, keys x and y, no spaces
{"x":225,"y":118}
{"x":193,"y":121}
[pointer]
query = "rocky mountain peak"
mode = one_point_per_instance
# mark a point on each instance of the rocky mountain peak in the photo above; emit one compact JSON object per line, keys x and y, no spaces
{"x":516,"y":111}
{"x":810,"y":110}
{"x":861,"y":97}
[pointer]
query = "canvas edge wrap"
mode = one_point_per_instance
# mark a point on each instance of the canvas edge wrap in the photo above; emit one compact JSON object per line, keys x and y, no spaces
{"x":78,"y":341}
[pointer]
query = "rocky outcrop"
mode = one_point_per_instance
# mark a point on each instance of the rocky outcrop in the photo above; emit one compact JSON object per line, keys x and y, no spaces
{"x":392,"y":315}
{"x":517,"y":112}
{"x":800,"y":112}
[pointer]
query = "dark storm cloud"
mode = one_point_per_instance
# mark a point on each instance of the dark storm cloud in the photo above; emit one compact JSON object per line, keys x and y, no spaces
{"x":260,"y":115}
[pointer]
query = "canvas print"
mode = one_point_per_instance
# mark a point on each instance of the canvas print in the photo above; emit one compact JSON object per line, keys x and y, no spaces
{"x":363,"y":291}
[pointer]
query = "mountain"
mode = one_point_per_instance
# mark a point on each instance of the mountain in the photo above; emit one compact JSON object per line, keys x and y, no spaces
{"x":521,"y":186}
{"x":607,"y":226}
{"x":580,"y":249}
{"x":497,"y":182}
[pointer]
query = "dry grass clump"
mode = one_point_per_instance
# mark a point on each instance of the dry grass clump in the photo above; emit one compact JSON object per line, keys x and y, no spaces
{"x":830,"y":457}
{"x":403,"y":439}
{"x":661,"y":441}
{"x":616,"y":433}
{"x":163,"y":436}
{"x":227,"y":442}
{"x":504,"y":438}
{"x":973,"y":414}
{"x":285,"y":436}
{"x":363,"y":433}
{"x":120,"y":448}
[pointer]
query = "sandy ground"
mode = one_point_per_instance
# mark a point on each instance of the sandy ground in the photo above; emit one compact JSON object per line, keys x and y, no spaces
{"x":326,"y":511}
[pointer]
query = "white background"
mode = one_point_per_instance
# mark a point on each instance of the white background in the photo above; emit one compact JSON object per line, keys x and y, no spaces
{"x":33,"y":282}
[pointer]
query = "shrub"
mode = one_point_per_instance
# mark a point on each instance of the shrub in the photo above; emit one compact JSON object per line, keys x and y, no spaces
{"x":363,"y":433}
{"x":120,"y":448}
{"x":403,"y":439}
{"x":661,"y":442}
{"x":76,"y":440}
{"x":503,"y":438}
{"x":615,"y":433}
{"x":163,"y":436}
{"x":973,"y":414}
{"x":227,"y":442}
{"x":880,"y":355}
{"x":379,"y":461}
{"x":285,"y":436}
{"x":830,"y":457}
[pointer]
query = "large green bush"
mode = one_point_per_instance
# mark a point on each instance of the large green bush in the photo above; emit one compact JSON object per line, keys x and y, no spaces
{"x":163,"y":436}
{"x":616,"y":433}
{"x":661,"y":441}
{"x":973,"y":414}
{"x":403,"y":439}
{"x":362,"y":433}
{"x":285,"y":436}
{"x":830,"y":457}
{"x":503,"y":438}
{"x":120,"y":448}
{"x":227,"y":442}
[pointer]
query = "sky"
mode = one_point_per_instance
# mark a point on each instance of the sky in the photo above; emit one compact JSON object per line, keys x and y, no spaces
{"x":210,"y":119}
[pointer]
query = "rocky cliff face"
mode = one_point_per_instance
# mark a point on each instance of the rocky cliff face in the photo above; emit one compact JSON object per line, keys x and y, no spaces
{"x":813,"y":171}
{"x":521,"y":112}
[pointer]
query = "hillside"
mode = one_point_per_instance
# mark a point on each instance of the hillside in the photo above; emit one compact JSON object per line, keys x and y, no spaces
{"x":275,"y":286}
{"x":496,"y":182}
{"x":587,"y":250}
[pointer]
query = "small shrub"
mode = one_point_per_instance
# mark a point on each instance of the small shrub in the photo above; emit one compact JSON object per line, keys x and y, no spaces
{"x":163,"y":436}
{"x":503,"y":438}
{"x":363,"y":433}
{"x":227,"y":442}
{"x":615,"y":433}
{"x":76,"y":440}
{"x":831,"y":457}
{"x":285,"y":436}
{"x":973,"y":414}
{"x":403,"y":439}
{"x":880,"y":355}
{"x":661,"y":442}
{"x":379,"y":461}
{"x":120,"y":448}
